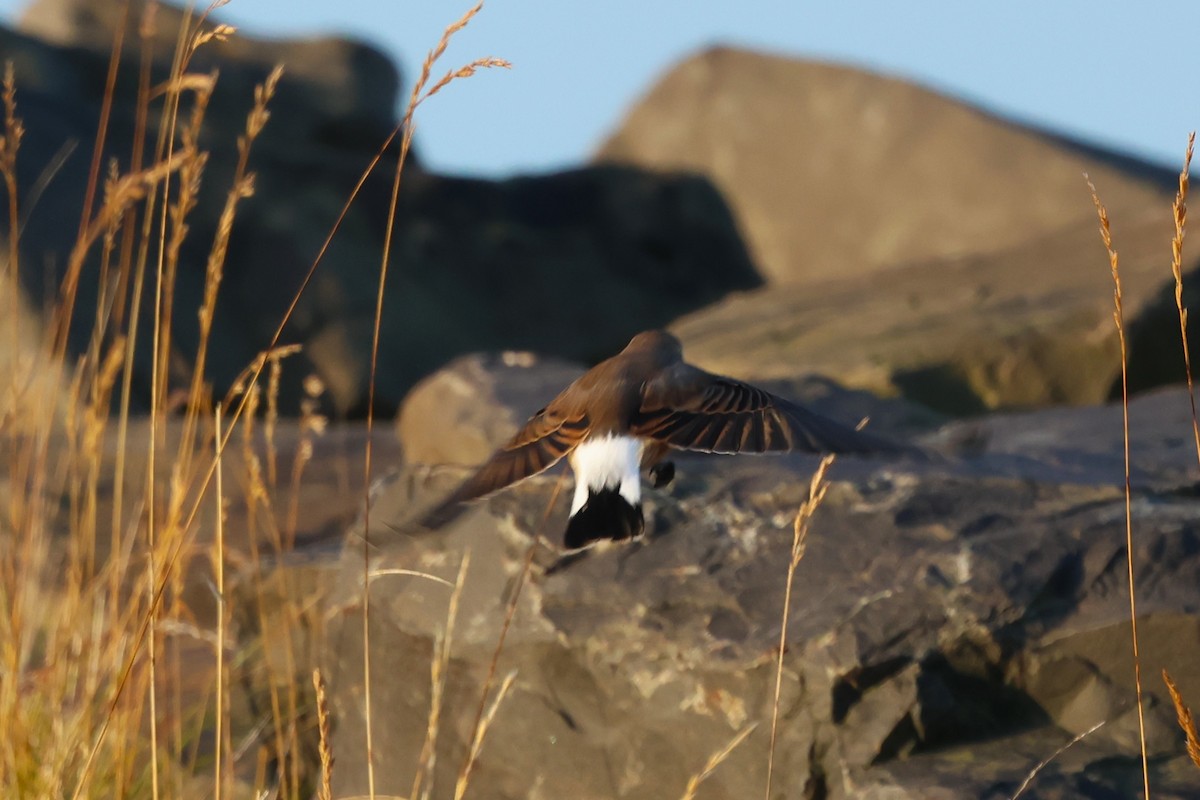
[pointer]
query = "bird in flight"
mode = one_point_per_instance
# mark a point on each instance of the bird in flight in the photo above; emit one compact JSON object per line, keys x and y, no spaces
{"x":626,"y":413}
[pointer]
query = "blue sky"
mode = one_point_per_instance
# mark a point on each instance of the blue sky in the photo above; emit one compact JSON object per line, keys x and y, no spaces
{"x":1120,"y":74}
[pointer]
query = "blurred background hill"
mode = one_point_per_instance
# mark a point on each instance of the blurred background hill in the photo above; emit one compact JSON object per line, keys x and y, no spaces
{"x":900,"y":209}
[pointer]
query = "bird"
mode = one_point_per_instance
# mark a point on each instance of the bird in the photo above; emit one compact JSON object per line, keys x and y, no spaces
{"x":626,"y":414}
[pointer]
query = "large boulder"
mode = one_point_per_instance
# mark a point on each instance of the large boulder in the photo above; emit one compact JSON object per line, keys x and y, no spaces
{"x":569,"y":264}
{"x":834,"y":171}
{"x":464,"y":411}
{"x":1028,"y":326}
{"x":953,"y":624}
{"x":914,"y":244}
{"x":335,"y":91}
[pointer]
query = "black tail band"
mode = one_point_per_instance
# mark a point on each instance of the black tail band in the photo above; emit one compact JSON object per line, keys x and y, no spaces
{"x":605,"y":515}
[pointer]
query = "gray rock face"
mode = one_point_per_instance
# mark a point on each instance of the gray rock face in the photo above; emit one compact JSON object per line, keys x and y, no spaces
{"x":570,"y":264}
{"x":835,"y":172}
{"x":334,"y":89}
{"x":1026,"y":327}
{"x":953,"y":623}
{"x":464,"y":411}
{"x":914,"y":245}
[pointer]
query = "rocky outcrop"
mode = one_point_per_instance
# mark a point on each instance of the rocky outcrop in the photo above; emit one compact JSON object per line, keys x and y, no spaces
{"x":569,"y":264}
{"x":1029,"y":326}
{"x":915,"y":245}
{"x":474,"y":404}
{"x":953,"y":624}
{"x":838,"y":172}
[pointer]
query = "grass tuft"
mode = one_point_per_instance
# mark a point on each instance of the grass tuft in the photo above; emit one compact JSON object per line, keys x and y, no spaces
{"x":1179,"y":212}
{"x":1041,"y":765}
{"x":714,"y":761}
{"x":324,"y":791}
{"x":420,"y":93}
{"x":1119,"y":320}
{"x":800,"y":525}
{"x":1183,"y":715}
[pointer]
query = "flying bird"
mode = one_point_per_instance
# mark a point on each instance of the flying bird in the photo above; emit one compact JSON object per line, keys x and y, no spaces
{"x":625,"y":414}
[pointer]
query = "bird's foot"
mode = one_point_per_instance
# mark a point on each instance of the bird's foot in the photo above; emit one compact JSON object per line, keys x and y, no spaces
{"x":662,"y":473}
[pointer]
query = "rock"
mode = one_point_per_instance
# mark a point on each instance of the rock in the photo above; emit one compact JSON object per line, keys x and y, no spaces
{"x":835,"y":172}
{"x":914,"y":244}
{"x":467,"y":409}
{"x":333,"y":89}
{"x":570,"y":264}
{"x":1024,"y":327}
{"x":953,"y":624}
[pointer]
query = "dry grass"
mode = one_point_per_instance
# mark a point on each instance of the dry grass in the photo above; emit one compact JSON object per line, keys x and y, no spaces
{"x":96,"y":634}
{"x":1179,"y":212}
{"x":1183,"y":715}
{"x":1119,"y":320}
{"x":1033,"y":773}
{"x":324,"y":790}
{"x":421,"y":92}
{"x":94,"y":700}
{"x":800,"y":526}
{"x":714,"y":761}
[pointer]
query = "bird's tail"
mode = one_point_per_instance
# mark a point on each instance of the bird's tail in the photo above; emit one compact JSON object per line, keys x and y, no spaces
{"x":605,"y":515}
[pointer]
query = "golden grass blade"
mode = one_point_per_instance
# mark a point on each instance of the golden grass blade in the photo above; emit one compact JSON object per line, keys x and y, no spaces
{"x":412,"y":573}
{"x":439,"y":668}
{"x":106,"y":104}
{"x":800,"y":525}
{"x":1033,"y":773}
{"x":511,"y":610}
{"x":405,"y":146}
{"x":10,"y":144}
{"x":219,"y":564}
{"x":714,"y":761}
{"x":325,"y":790}
{"x":1179,"y":209}
{"x":1184,"y":716}
{"x":460,"y":788}
{"x":1119,"y":319}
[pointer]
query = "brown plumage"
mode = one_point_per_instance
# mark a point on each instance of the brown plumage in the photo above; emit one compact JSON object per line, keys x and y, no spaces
{"x":649,"y":394}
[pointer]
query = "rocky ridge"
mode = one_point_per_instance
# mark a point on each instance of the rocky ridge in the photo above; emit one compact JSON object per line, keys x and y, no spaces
{"x":953,"y":623}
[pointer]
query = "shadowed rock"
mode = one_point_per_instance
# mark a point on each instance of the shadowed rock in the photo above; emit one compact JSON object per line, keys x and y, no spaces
{"x":569,"y":264}
{"x":1023,"y":327}
{"x":915,"y":244}
{"x":953,"y":624}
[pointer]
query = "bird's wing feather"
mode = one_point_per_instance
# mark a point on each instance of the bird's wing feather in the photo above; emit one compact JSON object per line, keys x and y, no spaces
{"x":538,"y":445}
{"x":692,"y":409}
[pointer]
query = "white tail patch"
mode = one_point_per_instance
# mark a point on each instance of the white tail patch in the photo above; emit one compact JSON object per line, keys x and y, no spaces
{"x":604,"y":463}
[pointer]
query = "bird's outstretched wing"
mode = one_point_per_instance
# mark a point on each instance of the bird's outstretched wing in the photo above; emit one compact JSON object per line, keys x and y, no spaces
{"x":691,"y":409}
{"x":540,"y":444}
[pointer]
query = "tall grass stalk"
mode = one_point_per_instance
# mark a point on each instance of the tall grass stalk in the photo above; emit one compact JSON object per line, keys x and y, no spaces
{"x":421,"y":91}
{"x":440,"y":668}
{"x":1041,"y":765}
{"x":1119,"y":320}
{"x":219,"y":569}
{"x":714,"y":761}
{"x":800,"y":525}
{"x":1183,"y":716}
{"x":1179,"y":213}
